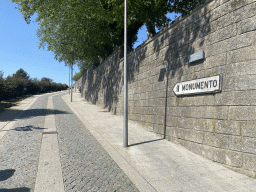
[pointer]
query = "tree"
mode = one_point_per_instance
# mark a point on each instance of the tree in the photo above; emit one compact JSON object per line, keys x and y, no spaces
{"x":46,"y":80}
{"x":1,"y":85}
{"x":20,"y":84}
{"x":45,"y":85}
{"x":13,"y":87}
{"x":91,"y":30}
{"x":185,"y":6}
{"x":1,"y":74}
{"x":77,"y":76}
{"x":21,"y":74}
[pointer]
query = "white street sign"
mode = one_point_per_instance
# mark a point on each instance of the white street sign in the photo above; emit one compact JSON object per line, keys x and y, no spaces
{"x":198,"y":86}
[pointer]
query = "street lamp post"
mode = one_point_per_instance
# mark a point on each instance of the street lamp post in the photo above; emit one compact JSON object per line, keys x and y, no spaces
{"x":71,"y":74}
{"x":125,"y":79}
{"x":71,"y":80}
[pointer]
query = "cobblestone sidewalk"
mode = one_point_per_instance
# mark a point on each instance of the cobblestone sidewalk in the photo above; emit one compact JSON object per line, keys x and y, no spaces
{"x":19,"y":149}
{"x":86,"y":166}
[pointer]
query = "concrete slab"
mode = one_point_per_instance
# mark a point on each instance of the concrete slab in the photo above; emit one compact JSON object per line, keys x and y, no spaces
{"x":5,"y":126}
{"x":49,"y":175}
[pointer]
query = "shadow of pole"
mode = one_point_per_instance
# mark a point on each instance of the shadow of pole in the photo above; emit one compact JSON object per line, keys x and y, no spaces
{"x":166,"y":102}
{"x":22,"y":189}
{"x":145,"y":142}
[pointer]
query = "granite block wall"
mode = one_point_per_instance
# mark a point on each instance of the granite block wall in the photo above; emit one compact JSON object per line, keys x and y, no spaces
{"x":218,"y":126}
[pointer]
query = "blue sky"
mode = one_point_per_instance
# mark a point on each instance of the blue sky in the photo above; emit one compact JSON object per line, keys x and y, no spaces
{"x":19,"y":47}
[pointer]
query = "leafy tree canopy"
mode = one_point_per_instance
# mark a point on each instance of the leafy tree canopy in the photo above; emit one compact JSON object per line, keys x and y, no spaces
{"x":21,"y":74}
{"x":46,"y":80}
{"x":1,"y":74}
{"x":78,"y":76}
{"x":79,"y":31}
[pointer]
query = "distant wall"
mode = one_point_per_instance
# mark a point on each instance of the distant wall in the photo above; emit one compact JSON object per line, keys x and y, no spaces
{"x":78,"y":83}
{"x":220,"y":126}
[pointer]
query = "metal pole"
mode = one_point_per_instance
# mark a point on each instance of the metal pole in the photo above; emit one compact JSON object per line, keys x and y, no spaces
{"x":125,"y":78}
{"x":75,"y":82}
{"x":71,"y":80}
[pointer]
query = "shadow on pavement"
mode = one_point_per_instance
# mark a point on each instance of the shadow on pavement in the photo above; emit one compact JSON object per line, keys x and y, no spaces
{"x":6,"y":174}
{"x":26,"y":128}
{"x":22,"y":189}
{"x":29,"y":113}
{"x":145,"y":142}
{"x":6,"y":105}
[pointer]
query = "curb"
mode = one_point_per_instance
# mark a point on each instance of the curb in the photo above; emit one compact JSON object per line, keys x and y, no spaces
{"x":140,"y":182}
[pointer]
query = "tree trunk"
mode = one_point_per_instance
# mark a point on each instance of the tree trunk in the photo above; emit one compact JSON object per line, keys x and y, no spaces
{"x":150,"y":30}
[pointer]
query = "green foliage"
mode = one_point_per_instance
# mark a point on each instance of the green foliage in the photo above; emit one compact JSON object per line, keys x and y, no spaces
{"x":77,"y":76}
{"x":1,"y":85}
{"x":1,"y":89}
{"x":185,"y":6}
{"x":19,"y":84}
{"x":32,"y":87}
{"x":84,"y":32}
{"x":1,"y":74}
{"x":82,"y":65}
{"x":14,"y":87}
{"x":21,"y":74}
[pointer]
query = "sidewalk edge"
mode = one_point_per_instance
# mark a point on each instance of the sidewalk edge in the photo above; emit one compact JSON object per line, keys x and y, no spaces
{"x":11,"y":123}
{"x":140,"y":182}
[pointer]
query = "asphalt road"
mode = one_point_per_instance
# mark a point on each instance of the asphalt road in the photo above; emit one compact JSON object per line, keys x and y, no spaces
{"x":86,"y":166}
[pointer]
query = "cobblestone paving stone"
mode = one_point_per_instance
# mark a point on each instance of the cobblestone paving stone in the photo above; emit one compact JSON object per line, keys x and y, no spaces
{"x":86,"y":166}
{"x":20,"y":149}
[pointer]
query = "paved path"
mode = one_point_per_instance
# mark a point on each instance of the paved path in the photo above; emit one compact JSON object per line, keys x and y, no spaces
{"x":86,"y":166}
{"x":51,"y":144}
{"x":27,"y":147}
{"x":49,"y":175}
{"x":152,"y":163}
{"x":20,"y":147}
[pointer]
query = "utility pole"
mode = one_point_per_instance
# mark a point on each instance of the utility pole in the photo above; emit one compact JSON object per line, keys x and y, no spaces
{"x":125,"y":79}
{"x":71,"y":80}
{"x":71,"y":72}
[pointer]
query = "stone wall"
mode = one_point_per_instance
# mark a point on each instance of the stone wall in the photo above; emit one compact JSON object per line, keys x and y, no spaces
{"x":219,"y":126}
{"x":78,"y":83}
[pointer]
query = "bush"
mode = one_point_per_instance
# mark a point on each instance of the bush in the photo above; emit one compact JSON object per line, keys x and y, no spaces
{"x":1,"y":89}
{"x":32,"y":88}
{"x":19,"y":84}
{"x":13,"y":87}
